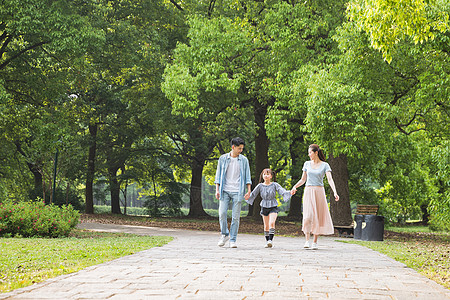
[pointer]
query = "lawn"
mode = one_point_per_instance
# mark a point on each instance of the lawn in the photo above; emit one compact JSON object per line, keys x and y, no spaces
{"x":24,"y":261}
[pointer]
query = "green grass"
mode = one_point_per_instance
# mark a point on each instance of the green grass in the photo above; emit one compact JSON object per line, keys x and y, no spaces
{"x":24,"y":261}
{"x":413,"y":229}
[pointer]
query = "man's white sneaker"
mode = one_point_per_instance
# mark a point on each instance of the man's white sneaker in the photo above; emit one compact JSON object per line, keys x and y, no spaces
{"x":306,"y":244}
{"x":223,"y":239}
{"x":314,"y":246}
{"x":269,"y":244}
{"x":233,"y":245}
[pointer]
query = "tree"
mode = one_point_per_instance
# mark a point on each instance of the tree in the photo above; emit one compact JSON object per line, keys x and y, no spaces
{"x":413,"y":109}
{"x":389,"y":22}
{"x":300,"y":43}
{"x":111,"y":85}
{"x":346,"y":121}
{"x":38,"y":39}
{"x":203,"y":85}
{"x":265,"y":46}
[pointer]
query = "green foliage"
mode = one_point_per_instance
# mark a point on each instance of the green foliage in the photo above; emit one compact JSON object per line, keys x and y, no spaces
{"x":167,"y":203}
{"x":387,"y":22}
{"x":206,"y":74}
{"x":345,"y":118}
{"x":61,"y":198}
{"x":164,"y":197}
{"x":314,"y":74}
{"x":407,"y":182}
{"x":300,"y":41}
{"x":413,"y":91}
{"x":30,"y":219}
{"x":439,"y":207}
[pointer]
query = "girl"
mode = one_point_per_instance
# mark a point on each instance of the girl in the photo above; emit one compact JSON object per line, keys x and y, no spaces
{"x":316,"y":217}
{"x":269,"y":204}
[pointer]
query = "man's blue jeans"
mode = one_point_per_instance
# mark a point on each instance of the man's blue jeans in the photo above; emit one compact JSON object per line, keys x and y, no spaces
{"x":235,"y":216}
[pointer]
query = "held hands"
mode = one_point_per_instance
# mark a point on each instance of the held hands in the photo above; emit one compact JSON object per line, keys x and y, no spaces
{"x":293,"y":191}
{"x":247,"y":196}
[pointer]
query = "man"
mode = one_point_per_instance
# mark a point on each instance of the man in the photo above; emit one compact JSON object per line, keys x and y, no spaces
{"x":232,"y":180}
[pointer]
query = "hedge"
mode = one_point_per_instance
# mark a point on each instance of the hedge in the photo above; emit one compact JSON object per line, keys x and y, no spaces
{"x":36,"y":219}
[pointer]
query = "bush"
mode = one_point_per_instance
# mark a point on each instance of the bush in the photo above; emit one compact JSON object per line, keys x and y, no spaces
{"x":169,"y":202}
{"x":31,"y":219}
{"x":164,"y":205}
{"x":60,"y":198}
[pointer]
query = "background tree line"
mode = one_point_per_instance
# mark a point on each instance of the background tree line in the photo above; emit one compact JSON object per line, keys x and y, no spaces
{"x":149,"y":92}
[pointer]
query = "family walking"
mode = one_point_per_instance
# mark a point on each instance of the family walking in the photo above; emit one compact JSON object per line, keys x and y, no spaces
{"x":233,"y":183}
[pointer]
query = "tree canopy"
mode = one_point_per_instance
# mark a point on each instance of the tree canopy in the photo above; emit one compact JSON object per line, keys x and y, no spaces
{"x":150,"y":92}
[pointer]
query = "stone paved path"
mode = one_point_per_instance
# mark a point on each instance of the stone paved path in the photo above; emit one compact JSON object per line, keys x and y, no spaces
{"x":192,"y":266}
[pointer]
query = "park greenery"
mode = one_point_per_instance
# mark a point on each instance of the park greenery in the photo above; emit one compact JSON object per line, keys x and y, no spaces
{"x":100,"y":96}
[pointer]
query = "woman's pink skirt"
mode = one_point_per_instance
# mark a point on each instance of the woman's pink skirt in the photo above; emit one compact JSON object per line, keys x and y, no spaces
{"x":316,"y":216}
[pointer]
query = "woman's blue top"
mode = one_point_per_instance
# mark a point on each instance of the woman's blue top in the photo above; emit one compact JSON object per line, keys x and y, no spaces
{"x":314,"y":177}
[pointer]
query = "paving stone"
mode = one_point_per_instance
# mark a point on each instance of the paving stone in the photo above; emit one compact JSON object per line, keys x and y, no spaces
{"x":192,"y":266}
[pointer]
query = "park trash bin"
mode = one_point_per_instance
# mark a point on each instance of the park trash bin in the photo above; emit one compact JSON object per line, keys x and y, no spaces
{"x":357,"y":226}
{"x":372,"y":228}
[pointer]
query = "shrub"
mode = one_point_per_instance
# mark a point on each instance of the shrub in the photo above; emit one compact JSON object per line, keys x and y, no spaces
{"x":164,"y":205}
{"x":35,"y":218}
{"x":169,"y":202}
{"x":62,"y":197}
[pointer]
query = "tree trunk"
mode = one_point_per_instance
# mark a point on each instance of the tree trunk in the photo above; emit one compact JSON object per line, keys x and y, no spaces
{"x":195,"y":200}
{"x":114,"y":190}
{"x":261,"y":152}
{"x":32,"y":167}
{"x":425,"y":214}
{"x":340,"y":210}
{"x":67,"y":193}
{"x":89,"y":192}
{"x":37,"y":176}
{"x":296,"y":149}
{"x":125,"y":198}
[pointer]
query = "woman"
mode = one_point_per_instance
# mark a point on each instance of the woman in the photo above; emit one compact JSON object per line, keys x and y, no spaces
{"x":316,"y":216}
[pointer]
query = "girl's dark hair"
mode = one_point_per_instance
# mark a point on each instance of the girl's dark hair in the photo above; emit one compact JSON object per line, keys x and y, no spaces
{"x":261,"y":178}
{"x":316,"y":148}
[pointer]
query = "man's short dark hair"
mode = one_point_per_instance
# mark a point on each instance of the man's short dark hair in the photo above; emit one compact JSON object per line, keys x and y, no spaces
{"x":237,"y":141}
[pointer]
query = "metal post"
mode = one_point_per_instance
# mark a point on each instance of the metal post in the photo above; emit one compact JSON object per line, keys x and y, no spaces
{"x":54,"y":177}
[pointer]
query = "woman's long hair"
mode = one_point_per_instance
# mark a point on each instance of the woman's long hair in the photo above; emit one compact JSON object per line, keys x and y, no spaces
{"x":261,"y":178}
{"x":316,"y":148}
